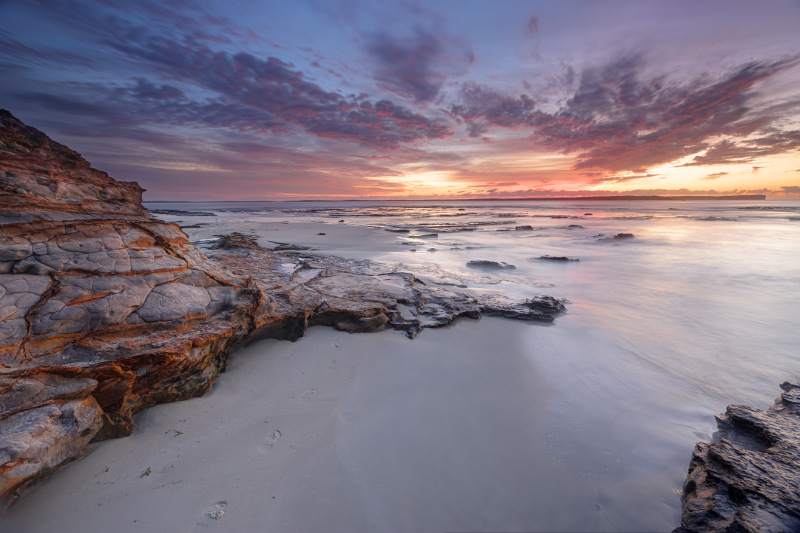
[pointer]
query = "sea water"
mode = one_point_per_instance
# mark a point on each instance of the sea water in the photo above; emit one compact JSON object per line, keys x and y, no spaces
{"x":699,"y":309}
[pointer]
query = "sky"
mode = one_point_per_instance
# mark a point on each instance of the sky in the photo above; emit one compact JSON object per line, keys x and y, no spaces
{"x":260,"y":100}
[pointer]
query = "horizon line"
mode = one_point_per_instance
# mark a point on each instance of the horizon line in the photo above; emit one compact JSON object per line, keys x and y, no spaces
{"x":515,"y":199}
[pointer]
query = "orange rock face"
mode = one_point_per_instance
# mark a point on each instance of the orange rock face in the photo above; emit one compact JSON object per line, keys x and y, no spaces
{"x":104,"y":310}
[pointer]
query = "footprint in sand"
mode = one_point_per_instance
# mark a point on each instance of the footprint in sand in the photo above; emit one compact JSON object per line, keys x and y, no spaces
{"x":211,"y":514}
{"x":272,"y":438}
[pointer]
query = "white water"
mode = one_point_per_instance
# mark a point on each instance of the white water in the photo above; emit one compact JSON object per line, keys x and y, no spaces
{"x":699,"y":310}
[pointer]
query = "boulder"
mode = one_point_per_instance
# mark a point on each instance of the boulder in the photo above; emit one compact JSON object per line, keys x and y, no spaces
{"x":747,"y":479}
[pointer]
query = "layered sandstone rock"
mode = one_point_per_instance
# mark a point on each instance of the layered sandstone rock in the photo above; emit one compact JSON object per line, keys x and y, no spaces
{"x":748,"y":481}
{"x":103,"y":309}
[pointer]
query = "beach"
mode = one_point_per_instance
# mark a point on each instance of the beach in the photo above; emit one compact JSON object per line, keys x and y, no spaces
{"x":490,"y":425}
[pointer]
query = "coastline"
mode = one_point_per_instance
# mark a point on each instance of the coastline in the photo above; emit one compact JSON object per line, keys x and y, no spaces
{"x":110,"y":311}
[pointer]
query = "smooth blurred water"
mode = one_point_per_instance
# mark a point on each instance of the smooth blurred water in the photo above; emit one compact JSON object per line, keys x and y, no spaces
{"x":700,"y":309}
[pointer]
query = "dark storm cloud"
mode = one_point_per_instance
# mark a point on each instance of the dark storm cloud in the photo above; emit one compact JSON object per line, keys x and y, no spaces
{"x":620,"y":119}
{"x":417,"y":67}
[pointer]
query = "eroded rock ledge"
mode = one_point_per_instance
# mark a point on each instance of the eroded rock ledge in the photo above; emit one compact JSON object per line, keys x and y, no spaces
{"x":748,"y":481}
{"x":105,"y":310}
{"x":358,"y":295}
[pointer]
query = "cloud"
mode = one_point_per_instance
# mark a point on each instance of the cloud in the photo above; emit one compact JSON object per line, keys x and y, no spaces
{"x":417,"y":66}
{"x":533,"y":25}
{"x":794,"y":189}
{"x":481,"y":106}
{"x":14,"y":50}
{"x":747,"y":150}
{"x":228,"y":89}
{"x":714,"y":176}
{"x":622,"y":178}
{"x":756,"y":169}
{"x":620,"y":119}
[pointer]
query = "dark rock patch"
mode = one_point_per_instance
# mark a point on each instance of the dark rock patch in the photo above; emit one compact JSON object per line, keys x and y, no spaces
{"x":555,"y":258}
{"x":490,"y":265}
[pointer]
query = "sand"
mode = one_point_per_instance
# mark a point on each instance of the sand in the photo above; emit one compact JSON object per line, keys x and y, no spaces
{"x":335,"y":432}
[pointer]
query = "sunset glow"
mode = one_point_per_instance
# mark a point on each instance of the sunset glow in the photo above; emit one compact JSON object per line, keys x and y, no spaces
{"x":243,"y":100}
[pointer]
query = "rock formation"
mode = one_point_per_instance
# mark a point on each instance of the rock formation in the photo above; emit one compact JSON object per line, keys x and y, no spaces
{"x":105,"y":310}
{"x":358,"y":295}
{"x":748,"y":481}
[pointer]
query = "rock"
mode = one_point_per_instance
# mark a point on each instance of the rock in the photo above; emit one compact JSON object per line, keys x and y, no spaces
{"x":555,"y":258}
{"x":747,"y":481}
{"x":284,"y":246}
{"x":484,"y":264}
{"x":236,"y":240}
{"x":623,"y":236}
{"x":360,"y":296}
{"x":398,"y":230}
{"x":523,"y":228}
{"x":588,"y":214}
{"x":105,"y":310}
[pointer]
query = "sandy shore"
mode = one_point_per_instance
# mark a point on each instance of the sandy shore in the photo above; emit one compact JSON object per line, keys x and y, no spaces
{"x":490,"y":425}
{"x":335,"y":432}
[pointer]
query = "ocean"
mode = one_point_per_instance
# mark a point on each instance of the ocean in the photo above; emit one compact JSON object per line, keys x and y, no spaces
{"x":675,"y":309}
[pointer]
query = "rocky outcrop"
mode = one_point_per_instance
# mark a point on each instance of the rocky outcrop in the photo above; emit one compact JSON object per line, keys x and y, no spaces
{"x":358,"y":295}
{"x":748,"y":480}
{"x":103,"y":309}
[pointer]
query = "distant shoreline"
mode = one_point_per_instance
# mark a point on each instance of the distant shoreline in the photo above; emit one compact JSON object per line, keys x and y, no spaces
{"x":515,"y":199}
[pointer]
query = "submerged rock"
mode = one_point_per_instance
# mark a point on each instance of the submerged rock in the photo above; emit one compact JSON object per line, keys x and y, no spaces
{"x":489,"y":265}
{"x":555,"y":258}
{"x":748,"y":480}
{"x":524,"y":228}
